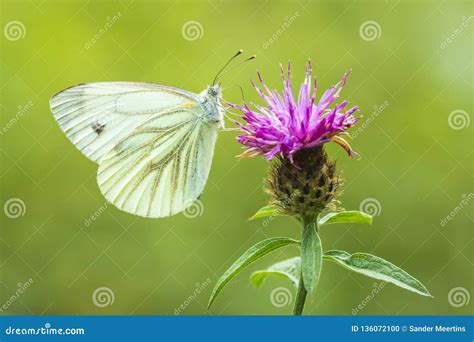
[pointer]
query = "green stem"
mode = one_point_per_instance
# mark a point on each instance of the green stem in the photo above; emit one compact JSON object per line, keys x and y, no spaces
{"x":300,"y":298}
{"x":301,"y":292}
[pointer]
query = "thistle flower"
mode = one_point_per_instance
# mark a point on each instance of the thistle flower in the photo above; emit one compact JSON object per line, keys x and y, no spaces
{"x":303,"y":181}
{"x":286,"y":126}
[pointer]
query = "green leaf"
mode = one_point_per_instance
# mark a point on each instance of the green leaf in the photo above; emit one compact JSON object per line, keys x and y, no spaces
{"x":252,"y":254}
{"x":289,"y":268}
{"x":268,"y":210}
{"x":353,"y":216}
{"x":311,"y":257}
{"x":378,"y":268}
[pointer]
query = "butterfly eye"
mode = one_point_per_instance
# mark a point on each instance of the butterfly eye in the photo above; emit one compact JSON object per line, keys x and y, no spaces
{"x":214,"y":91}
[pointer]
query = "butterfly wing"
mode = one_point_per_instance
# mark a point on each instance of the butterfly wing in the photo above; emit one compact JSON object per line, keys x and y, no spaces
{"x":161,"y":167}
{"x":95,"y":116}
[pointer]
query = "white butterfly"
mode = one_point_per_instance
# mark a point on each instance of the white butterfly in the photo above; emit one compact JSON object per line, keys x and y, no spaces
{"x":153,"y":143}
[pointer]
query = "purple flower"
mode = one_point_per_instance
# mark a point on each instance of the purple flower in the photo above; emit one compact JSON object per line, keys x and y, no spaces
{"x":285,"y":126}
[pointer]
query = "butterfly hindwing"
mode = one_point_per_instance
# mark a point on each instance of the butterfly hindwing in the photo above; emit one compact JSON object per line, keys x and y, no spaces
{"x":161,"y":166}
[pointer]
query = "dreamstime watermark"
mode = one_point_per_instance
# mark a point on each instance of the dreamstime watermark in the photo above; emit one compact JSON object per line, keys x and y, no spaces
{"x":280,"y":297}
{"x":14,"y":208}
{"x":103,"y":296}
{"x":370,"y":30}
{"x":14,"y":30}
{"x":194,"y":210}
{"x":22,"y":287}
{"x":371,"y":206}
{"x":458,"y":119}
{"x":46,"y":330}
{"x":199,"y":287}
{"x":377,"y":110}
{"x":267,"y":220}
{"x":88,"y":221}
{"x":192,"y":30}
{"x":376,"y":289}
{"x":109,"y":22}
{"x":287,"y":22}
{"x":21,"y":110}
{"x":465,"y":21}
{"x":465,"y":199}
{"x":458,"y":297}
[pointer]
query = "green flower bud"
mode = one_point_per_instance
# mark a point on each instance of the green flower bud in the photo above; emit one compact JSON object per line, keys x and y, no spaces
{"x":305,"y":186}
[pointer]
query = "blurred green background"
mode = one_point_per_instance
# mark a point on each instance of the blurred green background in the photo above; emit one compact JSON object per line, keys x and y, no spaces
{"x":413,"y":59}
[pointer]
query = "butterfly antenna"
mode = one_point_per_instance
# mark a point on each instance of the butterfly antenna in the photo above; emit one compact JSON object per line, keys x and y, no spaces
{"x":225,"y":65}
{"x":236,"y":65}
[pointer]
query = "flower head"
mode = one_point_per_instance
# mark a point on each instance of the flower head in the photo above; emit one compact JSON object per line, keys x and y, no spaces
{"x":285,"y":125}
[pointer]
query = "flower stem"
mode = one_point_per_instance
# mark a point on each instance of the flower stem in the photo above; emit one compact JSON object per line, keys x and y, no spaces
{"x":300,"y":298}
{"x":301,"y":292}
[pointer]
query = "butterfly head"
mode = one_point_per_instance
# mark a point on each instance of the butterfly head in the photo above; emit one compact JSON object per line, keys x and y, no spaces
{"x":214,"y":91}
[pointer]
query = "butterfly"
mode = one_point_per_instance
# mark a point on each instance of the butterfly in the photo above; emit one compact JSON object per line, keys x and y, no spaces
{"x":153,"y":143}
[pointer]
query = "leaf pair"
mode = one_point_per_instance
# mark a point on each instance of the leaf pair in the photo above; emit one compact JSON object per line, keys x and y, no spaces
{"x":352,"y":216}
{"x":309,"y":267}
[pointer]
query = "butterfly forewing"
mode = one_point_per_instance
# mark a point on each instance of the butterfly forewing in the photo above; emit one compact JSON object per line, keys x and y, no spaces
{"x":95,"y":116}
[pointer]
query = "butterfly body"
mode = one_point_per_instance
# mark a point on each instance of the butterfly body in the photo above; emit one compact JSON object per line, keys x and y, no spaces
{"x":211,"y":107}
